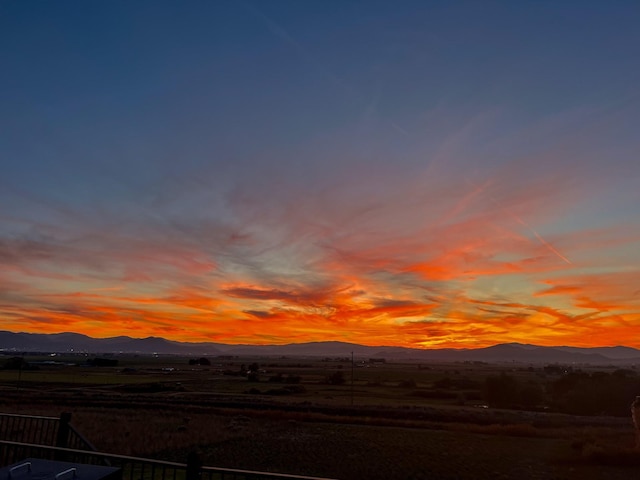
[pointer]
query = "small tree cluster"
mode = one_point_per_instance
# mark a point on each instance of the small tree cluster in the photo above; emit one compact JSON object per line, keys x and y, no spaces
{"x":507,"y":391}
{"x":103,"y":362}
{"x":200,"y":361}
{"x":596,"y":393}
{"x":253,"y":372}
{"x":18,"y":363}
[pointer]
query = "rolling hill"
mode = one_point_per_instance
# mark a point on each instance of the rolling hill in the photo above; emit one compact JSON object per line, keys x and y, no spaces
{"x":11,"y":342}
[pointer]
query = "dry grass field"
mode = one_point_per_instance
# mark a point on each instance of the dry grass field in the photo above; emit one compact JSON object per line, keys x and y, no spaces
{"x":376,"y":429}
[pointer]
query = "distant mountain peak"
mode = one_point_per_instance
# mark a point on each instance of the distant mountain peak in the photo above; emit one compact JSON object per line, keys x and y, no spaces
{"x":506,"y":352}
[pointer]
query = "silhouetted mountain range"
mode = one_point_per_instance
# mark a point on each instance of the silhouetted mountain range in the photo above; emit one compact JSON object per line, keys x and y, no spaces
{"x":511,"y":352}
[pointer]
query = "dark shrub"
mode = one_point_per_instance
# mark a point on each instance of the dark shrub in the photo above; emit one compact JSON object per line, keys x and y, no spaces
{"x":293,"y":379}
{"x":103,"y":362}
{"x":336,"y":378}
{"x":410,"y":383}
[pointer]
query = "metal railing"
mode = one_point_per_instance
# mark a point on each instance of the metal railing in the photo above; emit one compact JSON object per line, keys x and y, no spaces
{"x":135,"y":468}
{"x":29,"y":429}
{"x":56,"y":431}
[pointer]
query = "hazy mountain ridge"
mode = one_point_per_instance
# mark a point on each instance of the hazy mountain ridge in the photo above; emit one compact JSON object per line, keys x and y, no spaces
{"x":512,"y":352}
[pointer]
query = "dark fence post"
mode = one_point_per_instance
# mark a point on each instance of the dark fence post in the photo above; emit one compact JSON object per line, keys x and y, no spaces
{"x":62,"y":439}
{"x":194,"y":466}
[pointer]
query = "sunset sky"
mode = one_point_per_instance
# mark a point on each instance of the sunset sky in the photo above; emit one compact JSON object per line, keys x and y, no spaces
{"x":414,"y":173}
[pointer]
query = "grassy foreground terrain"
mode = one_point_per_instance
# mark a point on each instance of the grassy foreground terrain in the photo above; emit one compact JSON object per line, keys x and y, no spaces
{"x":392,"y":423}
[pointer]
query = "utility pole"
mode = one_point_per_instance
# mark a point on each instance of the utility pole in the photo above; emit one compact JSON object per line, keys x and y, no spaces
{"x":19,"y":374}
{"x":351,"y":378}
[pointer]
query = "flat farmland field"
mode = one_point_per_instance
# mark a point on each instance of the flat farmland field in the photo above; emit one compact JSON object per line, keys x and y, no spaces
{"x":298,"y":416}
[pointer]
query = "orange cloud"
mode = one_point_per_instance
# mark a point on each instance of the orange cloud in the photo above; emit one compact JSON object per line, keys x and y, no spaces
{"x":387,"y":260}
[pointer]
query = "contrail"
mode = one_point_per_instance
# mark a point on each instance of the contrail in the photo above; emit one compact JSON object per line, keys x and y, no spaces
{"x":547,"y":245}
{"x":283,"y":35}
{"x":400,"y":129}
{"x":311,"y":60}
{"x":542,"y":240}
